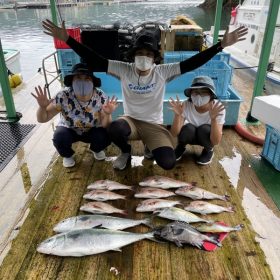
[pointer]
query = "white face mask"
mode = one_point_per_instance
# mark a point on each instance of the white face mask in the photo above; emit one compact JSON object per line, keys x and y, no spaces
{"x":143,"y":63}
{"x":199,"y":100}
{"x":82,"y":88}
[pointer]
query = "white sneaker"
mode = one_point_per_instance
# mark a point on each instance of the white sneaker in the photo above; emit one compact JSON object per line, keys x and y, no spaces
{"x":99,"y":156}
{"x":68,"y":162}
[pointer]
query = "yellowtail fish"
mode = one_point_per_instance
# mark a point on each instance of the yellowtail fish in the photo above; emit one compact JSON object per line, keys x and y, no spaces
{"x":162,"y":182}
{"x":150,"y":205}
{"x":177,"y":214}
{"x":203,"y":207}
{"x":101,"y":208}
{"x":182,"y":233}
{"x":153,"y":193}
{"x":107,"y":185}
{"x":82,"y":242}
{"x":102,"y":195}
{"x":216,"y":227}
{"x":91,"y":221}
{"x":196,"y":193}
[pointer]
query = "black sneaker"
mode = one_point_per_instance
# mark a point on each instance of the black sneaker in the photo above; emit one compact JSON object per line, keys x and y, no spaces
{"x":147,"y":153}
{"x":205,"y":157}
{"x":179,"y":151}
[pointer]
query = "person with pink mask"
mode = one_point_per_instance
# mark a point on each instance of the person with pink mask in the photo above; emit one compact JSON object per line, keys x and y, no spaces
{"x":85,"y":113}
{"x":143,"y":88}
{"x":198,"y":120}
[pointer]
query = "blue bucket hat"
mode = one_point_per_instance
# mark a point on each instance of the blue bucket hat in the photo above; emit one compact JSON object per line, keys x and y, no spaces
{"x":201,"y":82}
{"x":82,"y":69}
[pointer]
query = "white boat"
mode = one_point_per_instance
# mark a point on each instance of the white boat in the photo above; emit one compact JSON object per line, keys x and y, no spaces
{"x":245,"y":54}
{"x":12,"y":60}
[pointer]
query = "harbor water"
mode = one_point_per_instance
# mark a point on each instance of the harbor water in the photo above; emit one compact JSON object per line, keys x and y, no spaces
{"x":21,"y":29}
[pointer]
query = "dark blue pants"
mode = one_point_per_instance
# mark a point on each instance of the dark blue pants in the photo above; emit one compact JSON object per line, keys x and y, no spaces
{"x":192,"y":135}
{"x":64,"y":137}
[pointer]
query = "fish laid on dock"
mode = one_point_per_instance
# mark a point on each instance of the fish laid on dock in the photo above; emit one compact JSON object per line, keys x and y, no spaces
{"x":102,"y":195}
{"x":203,"y":207}
{"x":162,"y":182}
{"x":84,"y":242}
{"x":217,"y":227}
{"x":177,"y":214}
{"x":153,"y":193}
{"x":91,"y":221}
{"x":196,"y":193}
{"x":182,"y":233}
{"x":107,"y":185}
{"x":150,"y":205}
{"x":101,"y":208}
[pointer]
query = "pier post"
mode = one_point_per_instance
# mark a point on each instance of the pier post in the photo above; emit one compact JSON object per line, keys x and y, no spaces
{"x":6,"y":90}
{"x":217,"y":23}
{"x":265,"y":53}
{"x":53,"y":11}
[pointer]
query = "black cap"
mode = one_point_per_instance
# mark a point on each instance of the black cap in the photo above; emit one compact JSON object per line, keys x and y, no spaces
{"x":81,"y":69}
{"x":145,"y":41}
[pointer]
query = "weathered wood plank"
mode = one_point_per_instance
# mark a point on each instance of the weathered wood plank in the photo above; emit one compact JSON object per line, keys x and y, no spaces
{"x":240,"y":257}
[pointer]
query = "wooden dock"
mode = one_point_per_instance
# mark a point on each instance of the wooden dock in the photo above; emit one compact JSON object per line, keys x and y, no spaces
{"x":60,"y":195}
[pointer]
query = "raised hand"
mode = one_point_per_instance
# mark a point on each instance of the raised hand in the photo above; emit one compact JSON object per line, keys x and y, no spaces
{"x":41,"y":97}
{"x":110,"y":106}
{"x":236,"y":35}
{"x":176,"y":106}
{"x":55,"y":31}
{"x":215,"y":110}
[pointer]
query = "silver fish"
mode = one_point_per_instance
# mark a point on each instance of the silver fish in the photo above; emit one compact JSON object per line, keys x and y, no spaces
{"x":162,"y":182}
{"x":150,"y":205}
{"x":196,"y":193}
{"x":91,"y":221}
{"x":177,"y":214}
{"x":216,"y":227}
{"x":84,"y":242}
{"x":153,"y":193}
{"x":107,"y":185}
{"x":182,"y":233}
{"x":102,"y":195}
{"x":203,"y":207}
{"x":101,"y":208}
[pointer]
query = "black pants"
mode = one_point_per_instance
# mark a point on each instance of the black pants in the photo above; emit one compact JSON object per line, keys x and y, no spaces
{"x":64,"y":137}
{"x":200,"y":135}
{"x":119,"y":132}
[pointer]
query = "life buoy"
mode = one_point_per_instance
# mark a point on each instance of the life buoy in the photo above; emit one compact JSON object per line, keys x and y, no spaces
{"x":234,"y":14}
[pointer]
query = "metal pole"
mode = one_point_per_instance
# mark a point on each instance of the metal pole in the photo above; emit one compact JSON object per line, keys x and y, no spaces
{"x":53,"y":11}
{"x":265,"y":53}
{"x":6,"y":90}
{"x":217,"y":23}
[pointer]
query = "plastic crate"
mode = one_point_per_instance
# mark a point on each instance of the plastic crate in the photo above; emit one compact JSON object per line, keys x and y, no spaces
{"x":67,"y":59}
{"x":221,"y":73}
{"x":217,"y":68}
{"x":73,"y":32}
{"x":271,"y":148}
{"x":232,"y":105}
{"x":177,"y":56}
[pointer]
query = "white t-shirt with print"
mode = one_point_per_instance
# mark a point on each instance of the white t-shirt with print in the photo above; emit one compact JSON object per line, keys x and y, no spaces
{"x":143,"y":96}
{"x":197,"y":119}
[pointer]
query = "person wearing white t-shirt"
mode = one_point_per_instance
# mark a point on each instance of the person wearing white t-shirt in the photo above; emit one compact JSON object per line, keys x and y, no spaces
{"x":199,"y":119}
{"x":143,"y":88}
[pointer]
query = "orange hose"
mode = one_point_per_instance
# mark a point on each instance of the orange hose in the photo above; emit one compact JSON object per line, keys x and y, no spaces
{"x":241,"y":130}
